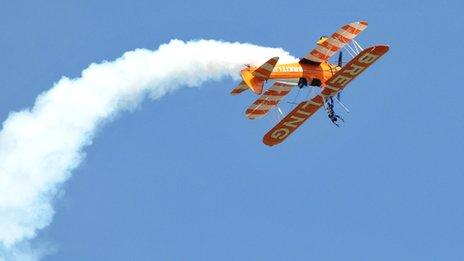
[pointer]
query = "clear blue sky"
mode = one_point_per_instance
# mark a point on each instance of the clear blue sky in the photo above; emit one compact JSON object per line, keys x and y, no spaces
{"x":187,"y":178}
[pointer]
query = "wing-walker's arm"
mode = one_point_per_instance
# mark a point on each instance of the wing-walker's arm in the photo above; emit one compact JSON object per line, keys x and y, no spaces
{"x":327,"y":47}
{"x":335,"y":84}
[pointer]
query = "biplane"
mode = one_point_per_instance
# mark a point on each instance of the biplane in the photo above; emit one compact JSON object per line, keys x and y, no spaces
{"x":314,"y":71}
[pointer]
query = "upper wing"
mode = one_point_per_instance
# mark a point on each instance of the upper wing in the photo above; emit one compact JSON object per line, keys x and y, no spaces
{"x":268,"y":100}
{"x":336,"y":83}
{"x":326,"y":48}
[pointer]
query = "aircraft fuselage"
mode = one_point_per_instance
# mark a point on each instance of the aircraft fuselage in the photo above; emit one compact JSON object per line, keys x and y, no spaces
{"x":295,"y":71}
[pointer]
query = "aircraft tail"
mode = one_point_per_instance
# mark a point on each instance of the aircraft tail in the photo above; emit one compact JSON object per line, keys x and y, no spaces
{"x":255,"y":79}
{"x":241,"y":87}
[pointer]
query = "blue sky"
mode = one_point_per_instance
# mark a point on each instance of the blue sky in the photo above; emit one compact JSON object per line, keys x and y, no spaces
{"x":187,"y":177}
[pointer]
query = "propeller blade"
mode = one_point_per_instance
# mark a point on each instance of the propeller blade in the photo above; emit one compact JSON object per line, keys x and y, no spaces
{"x":340,"y":63}
{"x":340,"y":59}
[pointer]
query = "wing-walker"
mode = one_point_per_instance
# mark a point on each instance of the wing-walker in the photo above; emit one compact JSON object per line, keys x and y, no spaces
{"x":313,"y":70}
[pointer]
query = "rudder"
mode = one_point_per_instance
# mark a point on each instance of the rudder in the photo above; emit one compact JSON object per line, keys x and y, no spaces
{"x":255,"y":79}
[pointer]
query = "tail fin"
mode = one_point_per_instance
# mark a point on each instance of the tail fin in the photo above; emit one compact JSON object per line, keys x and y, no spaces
{"x":255,"y":79}
{"x":265,"y":70}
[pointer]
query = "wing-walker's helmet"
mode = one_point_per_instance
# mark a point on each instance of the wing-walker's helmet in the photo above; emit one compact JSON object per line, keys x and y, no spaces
{"x":322,"y":39}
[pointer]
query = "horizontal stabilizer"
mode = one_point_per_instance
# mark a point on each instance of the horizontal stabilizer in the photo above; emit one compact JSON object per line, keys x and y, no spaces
{"x":239,"y":89}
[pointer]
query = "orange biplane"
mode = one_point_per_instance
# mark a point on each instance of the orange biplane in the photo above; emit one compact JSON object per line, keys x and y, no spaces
{"x":313,"y":70}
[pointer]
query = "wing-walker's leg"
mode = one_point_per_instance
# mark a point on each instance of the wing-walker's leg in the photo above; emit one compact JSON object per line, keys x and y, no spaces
{"x":331,"y":113}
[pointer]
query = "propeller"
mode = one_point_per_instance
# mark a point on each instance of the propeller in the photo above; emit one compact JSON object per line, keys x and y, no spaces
{"x":340,"y":59}
{"x":340,"y":64}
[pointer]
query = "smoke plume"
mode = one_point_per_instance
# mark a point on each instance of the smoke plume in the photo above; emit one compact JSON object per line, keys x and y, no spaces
{"x":41,"y":146}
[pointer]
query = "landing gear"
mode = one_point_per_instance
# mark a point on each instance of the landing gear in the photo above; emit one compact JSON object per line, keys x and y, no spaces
{"x":315,"y":82}
{"x":331,"y":113}
{"x":302,"y":82}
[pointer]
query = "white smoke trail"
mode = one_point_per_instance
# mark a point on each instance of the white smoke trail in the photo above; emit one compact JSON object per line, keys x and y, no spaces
{"x":40,"y":146}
